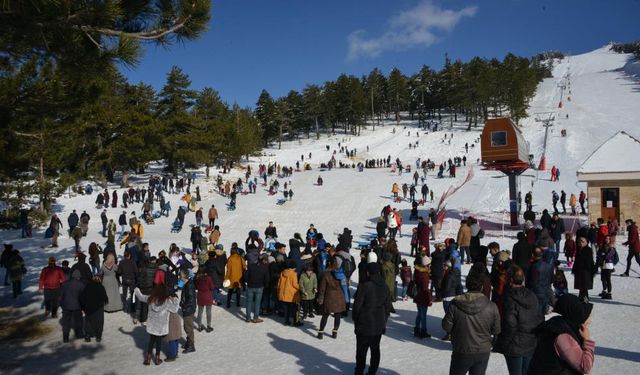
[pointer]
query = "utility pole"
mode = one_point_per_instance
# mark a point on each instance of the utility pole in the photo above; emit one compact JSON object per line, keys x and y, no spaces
{"x":547,"y":123}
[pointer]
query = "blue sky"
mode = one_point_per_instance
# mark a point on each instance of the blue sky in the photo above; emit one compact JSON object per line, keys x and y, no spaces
{"x":282,"y":45}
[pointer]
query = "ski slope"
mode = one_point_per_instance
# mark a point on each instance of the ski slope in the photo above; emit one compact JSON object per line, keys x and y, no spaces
{"x":605,"y":99}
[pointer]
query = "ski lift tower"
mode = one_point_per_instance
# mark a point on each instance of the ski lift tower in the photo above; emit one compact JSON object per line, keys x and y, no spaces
{"x":503,"y":148}
{"x":547,"y":123}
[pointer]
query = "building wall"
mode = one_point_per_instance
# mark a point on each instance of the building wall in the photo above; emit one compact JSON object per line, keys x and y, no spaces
{"x":629,"y":198}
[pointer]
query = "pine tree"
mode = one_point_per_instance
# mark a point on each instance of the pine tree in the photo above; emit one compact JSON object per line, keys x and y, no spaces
{"x":398,"y":92}
{"x":178,"y":127}
{"x":266,"y":116}
{"x":312,"y":104}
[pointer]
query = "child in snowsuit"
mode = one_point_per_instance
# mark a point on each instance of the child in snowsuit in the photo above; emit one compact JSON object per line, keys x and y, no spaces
{"x":569,"y":249}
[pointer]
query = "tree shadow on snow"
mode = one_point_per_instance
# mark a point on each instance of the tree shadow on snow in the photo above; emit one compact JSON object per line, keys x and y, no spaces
{"x":611,"y":302}
{"x":314,"y":361}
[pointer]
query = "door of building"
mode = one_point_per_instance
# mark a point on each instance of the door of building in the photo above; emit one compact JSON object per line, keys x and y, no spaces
{"x":610,"y":204}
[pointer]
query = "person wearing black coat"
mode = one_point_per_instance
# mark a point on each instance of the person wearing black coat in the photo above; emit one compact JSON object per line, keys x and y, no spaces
{"x":557,"y":231}
{"x":345,"y":238}
{"x":539,"y":278}
{"x":257,"y":279}
{"x":520,"y":317}
{"x":437,"y":270}
{"x":181,"y":214}
{"x":83,"y":268}
{"x":188,"y":306}
{"x":521,"y":252}
{"x":371,"y":309}
{"x":73,"y":221}
{"x":93,"y":299}
{"x":146,"y":275}
{"x":545,"y":219}
{"x":127,"y":270}
{"x":381,"y":229}
{"x":583,"y":269}
{"x":71,"y":309}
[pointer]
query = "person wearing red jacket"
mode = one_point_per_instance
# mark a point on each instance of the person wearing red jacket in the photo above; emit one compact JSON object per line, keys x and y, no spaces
{"x":633,"y":241}
{"x":603,"y":231}
{"x":51,"y":278}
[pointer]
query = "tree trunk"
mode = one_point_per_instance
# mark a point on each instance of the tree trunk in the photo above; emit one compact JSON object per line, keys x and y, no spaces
{"x":317,"y":129}
{"x":280,"y":136}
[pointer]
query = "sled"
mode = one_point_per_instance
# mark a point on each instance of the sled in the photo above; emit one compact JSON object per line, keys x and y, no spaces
{"x":231,"y":207}
{"x":208,"y":229}
{"x":397,"y":199}
{"x":281,"y":201}
{"x":244,"y":192}
{"x":362,"y":244}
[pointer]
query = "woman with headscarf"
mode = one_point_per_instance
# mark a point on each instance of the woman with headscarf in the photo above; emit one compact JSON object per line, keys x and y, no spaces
{"x":111,"y":285}
{"x":564,"y":341}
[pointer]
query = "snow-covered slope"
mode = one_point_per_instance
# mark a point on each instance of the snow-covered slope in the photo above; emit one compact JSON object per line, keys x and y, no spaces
{"x":604,"y":100}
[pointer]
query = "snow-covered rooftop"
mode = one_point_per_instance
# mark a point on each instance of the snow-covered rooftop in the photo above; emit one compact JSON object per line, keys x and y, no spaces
{"x":620,"y":153}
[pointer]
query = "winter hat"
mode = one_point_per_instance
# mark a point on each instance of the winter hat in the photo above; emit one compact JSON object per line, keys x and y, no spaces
{"x":425,"y":260}
{"x":504,"y":255}
{"x":372,"y":257}
{"x":76,"y":274}
{"x":219,"y":247}
{"x":373,"y":268}
{"x":573,"y":309}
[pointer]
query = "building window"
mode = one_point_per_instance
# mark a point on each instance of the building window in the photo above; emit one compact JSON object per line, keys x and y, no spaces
{"x":498,"y":138}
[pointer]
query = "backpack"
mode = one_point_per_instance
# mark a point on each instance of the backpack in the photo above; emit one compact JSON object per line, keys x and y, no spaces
{"x":348,"y":266}
{"x":481,"y":233}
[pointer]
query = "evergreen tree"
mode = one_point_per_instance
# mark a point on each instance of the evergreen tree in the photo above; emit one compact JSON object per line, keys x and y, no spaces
{"x":312,"y":105}
{"x":266,"y":116}
{"x":398,"y":92}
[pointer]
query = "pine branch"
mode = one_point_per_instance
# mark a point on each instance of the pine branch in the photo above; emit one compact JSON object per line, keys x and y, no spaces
{"x":143,"y":35}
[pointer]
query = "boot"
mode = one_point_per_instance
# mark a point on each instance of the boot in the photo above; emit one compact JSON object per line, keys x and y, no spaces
{"x":320,"y":334}
{"x":606,"y":296}
{"x":157,"y":360}
{"x":416,"y":332}
{"x":424,"y":334}
{"x":189,"y":349}
{"x":446,"y":337}
{"x":334,"y":334}
{"x":147,"y":359}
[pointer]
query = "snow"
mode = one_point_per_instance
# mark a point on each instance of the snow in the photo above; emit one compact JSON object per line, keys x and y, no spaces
{"x":604,"y":101}
{"x":619,"y":147}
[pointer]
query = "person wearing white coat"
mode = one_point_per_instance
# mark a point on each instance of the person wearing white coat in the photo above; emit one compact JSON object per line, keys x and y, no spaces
{"x":161,"y":303}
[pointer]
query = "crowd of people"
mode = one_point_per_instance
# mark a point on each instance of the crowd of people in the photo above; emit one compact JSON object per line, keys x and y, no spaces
{"x":501,"y":307}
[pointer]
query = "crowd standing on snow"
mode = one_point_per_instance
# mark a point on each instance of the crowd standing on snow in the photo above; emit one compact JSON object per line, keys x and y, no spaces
{"x":508,"y":292}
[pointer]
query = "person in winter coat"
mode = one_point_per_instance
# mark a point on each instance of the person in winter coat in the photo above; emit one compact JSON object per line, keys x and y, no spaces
{"x":607,"y":258}
{"x":381,"y":227}
{"x":539,"y":278}
{"x":92,"y":300}
{"x":564,"y":344}
{"x":127,"y":270}
{"x":257,"y":280}
{"x":212,"y":215}
{"x":499,"y":279}
{"x":392,"y":224}
{"x":389,"y":274}
{"x":70,"y":302}
{"x":161,"y":303}
{"x":214,"y":237}
{"x":236,"y":265}
{"x":633,"y":241}
{"x":557,"y":230}
{"x":569,"y":249}
{"x":521,"y":252}
{"x":82,"y":266}
{"x":471,"y":320}
{"x":55,"y":225}
{"x":464,"y":240}
{"x":308,"y":289}
{"x":204,"y":286}
{"x":573,"y":202}
{"x":111,"y":285}
{"x":289,"y":292}
{"x":173,"y":336}
{"x":423,"y":233}
{"x":423,"y":296}
{"x":73,"y":221}
{"x":474,"y":244}
{"x":188,"y":303}
{"x":519,"y":319}
{"x":371,"y":309}
{"x":144,"y":283}
{"x":51,"y":279}
{"x":406,"y":277}
{"x":437,"y":269}
{"x":451,"y":287}
{"x":331,"y":298}
{"x":583,"y":269}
